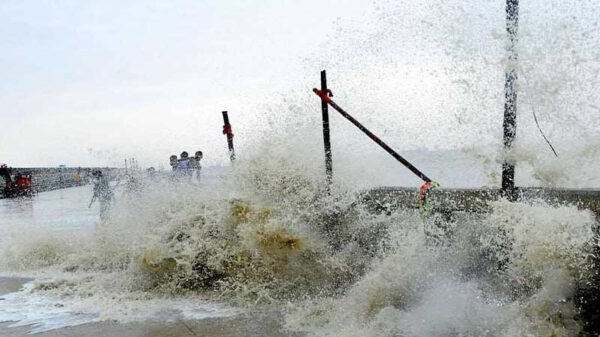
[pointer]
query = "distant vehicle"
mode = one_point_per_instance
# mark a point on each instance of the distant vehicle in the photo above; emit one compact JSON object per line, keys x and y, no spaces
{"x":15,"y":186}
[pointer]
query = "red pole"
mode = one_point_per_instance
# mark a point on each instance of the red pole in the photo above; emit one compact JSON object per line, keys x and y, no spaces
{"x":227,"y":131}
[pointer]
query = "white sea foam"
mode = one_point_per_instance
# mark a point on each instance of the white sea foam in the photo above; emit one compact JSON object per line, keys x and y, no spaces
{"x":48,"y":310}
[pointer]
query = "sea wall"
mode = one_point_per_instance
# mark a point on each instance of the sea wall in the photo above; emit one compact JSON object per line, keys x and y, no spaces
{"x":51,"y":178}
{"x":477,"y":200}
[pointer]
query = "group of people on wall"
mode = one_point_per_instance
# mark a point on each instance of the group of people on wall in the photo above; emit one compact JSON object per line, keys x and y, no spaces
{"x":185,"y":166}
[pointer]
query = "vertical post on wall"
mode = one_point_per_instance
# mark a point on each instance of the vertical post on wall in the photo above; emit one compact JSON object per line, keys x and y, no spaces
{"x":326,"y":139}
{"x":510,"y":97}
{"x":229,"y":133}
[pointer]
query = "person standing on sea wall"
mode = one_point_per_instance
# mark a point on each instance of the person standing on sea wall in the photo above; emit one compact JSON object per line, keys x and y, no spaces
{"x":184,"y":166}
{"x":173,"y":162}
{"x":103,"y":193}
{"x":195,"y":163}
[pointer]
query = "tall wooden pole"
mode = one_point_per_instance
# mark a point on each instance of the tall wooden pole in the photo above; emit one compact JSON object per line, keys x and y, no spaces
{"x":326,"y":139}
{"x":510,"y":103}
{"x":227,"y":131}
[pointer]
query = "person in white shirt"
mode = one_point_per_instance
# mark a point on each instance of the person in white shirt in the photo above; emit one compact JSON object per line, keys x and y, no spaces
{"x":183,"y":166}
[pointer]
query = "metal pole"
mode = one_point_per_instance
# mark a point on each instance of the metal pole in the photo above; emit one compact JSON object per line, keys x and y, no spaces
{"x":227,"y":131}
{"x":326,"y":139}
{"x":510,"y":96}
{"x":371,"y":135}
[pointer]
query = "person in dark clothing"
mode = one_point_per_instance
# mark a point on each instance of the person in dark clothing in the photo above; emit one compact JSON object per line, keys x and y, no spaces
{"x":102,"y":192}
{"x":9,"y":185}
{"x":195,"y":163}
{"x":173,"y":162}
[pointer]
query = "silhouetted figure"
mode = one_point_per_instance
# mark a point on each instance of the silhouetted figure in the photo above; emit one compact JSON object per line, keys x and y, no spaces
{"x":78,"y":177}
{"x":6,"y":174}
{"x":151,"y":173}
{"x":195,"y":163}
{"x":102,"y":192}
{"x":173,"y":162}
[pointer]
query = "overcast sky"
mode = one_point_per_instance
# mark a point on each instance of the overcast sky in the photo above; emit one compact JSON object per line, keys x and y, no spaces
{"x":87,"y":83}
{"x":93,"y":82}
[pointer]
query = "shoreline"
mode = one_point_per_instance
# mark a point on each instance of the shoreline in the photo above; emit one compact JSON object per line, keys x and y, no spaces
{"x":257,"y":324}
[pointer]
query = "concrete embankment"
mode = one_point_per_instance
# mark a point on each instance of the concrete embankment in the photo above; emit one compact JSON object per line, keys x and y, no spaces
{"x":477,"y":200}
{"x":49,"y":178}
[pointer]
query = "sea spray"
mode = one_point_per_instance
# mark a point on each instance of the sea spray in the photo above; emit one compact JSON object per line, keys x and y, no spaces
{"x":271,"y":239}
{"x":271,"y":234}
{"x":511,"y":273}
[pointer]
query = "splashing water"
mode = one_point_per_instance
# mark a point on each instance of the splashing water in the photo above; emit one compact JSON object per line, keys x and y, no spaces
{"x":269,"y":235}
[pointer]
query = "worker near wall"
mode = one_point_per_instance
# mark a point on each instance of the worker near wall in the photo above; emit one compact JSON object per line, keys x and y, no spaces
{"x":103,"y":193}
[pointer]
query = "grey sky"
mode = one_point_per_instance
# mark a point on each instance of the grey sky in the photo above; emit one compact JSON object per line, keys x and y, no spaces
{"x":93,"y":82}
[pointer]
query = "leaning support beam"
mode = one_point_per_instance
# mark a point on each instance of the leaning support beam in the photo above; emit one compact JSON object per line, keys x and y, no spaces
{"x":325,"y":97}
{"x":510,"y":103}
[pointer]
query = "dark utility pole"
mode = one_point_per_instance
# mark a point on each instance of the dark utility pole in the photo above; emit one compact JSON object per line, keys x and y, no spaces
{"x":510,"y":103}
{"x":229,"y":133}
{"x":326,"y":140}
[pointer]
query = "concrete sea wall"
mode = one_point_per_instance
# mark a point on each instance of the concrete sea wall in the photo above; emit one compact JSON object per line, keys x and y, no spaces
{"x":51,"y":178}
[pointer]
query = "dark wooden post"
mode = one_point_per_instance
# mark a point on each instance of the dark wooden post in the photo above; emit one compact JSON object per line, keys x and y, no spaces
{"x":228,"y":132}
{"x":326,"y":139}
{"x":510,"y":96}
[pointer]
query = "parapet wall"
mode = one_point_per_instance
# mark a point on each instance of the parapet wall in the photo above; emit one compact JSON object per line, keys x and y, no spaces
{"x":50,"y":178}
{"x":477,"y":200}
